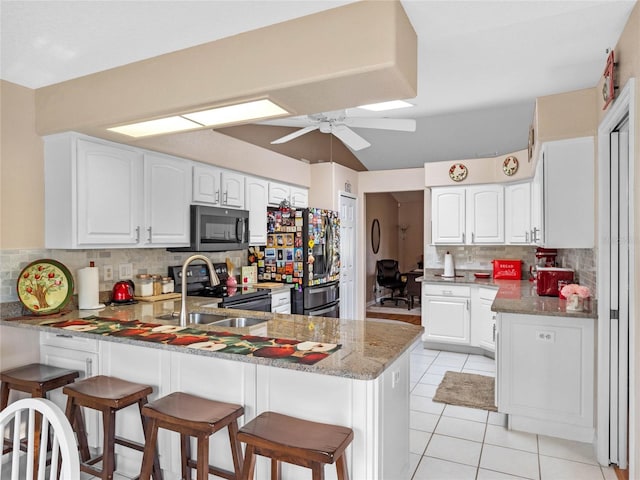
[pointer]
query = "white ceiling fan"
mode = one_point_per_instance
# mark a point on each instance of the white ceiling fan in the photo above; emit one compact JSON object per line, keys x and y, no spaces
{"x":338,"y":123}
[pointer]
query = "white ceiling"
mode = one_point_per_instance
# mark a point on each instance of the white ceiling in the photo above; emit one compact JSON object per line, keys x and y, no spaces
{"x":481,"y":63}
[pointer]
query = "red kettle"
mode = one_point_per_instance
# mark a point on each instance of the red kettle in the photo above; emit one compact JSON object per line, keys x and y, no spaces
{"x":122,"y":292}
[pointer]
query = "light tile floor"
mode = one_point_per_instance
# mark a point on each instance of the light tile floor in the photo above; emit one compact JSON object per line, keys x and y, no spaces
{"x":459,"y":443}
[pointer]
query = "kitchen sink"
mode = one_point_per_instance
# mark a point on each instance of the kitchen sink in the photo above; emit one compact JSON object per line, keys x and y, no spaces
{"x":195,"y":317}
{"x":239,"y":322}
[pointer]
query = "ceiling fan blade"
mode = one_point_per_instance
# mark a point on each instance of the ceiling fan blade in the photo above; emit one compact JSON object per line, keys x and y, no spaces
{"x":350,"y":138}
{"x":295,"y":134}
{"x":400,"y":124}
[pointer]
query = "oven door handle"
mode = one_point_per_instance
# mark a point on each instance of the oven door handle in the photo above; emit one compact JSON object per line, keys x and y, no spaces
{"x":319,"y":313}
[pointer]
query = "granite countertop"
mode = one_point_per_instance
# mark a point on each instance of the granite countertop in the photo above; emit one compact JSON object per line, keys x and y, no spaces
{"x":367,"y":347}
{"x":514,"y":296}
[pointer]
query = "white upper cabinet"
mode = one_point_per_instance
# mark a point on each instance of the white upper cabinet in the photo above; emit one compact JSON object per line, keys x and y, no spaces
{"x":448,"y":215}
{"x":232,"y":184}
{"x":278,"y":192}
{"x":569,"y":186}
{"x":485,"y":214}
{"x":256,"y":196}
{"x":297,"y":196}
{"x":517,"y":206}
{"x":99,"y":194}
{"x":216,"y":186}
{"x":167,"y":189}
{"x":206,"y":184}
{"x":108,"y":203}
{"x":468,"y":215}
{"x":537,"y":205}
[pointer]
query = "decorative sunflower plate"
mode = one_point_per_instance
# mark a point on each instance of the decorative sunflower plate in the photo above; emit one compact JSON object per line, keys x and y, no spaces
{"x":45,"y":286}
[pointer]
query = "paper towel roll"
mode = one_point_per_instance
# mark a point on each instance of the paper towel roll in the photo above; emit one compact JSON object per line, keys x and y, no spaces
{"x":88,"y":289}
{"x":448,"y":266}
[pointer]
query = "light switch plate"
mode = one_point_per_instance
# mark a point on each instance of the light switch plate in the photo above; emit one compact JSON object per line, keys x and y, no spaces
{"x":125,"y":271}
{"x":107,"y":273}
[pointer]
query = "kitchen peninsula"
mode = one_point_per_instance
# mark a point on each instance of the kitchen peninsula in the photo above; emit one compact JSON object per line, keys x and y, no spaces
{"x":363,"y":383}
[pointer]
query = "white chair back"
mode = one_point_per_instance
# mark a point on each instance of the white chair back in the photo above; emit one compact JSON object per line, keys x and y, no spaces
{"x":54,"y":424}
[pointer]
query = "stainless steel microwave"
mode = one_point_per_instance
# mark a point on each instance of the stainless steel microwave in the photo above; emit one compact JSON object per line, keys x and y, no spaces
{"x":216,"y":229}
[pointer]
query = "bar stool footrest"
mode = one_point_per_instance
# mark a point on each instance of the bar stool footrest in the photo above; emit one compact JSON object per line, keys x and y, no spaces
{"x":129,"y":443}
{"x":220,"y":472}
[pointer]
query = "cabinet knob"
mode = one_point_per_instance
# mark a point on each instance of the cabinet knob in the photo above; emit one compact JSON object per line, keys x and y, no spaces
{"x":137,"y":233}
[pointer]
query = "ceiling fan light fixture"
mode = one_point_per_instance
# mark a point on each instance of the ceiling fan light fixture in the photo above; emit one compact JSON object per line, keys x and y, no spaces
{"x":239,"y":112}
{"x":384,"y":106}
{"x":158,"y":126}
{"x":236,"y":113}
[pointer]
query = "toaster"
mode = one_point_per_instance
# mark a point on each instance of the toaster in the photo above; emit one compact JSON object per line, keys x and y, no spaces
{"x":547,"y":279}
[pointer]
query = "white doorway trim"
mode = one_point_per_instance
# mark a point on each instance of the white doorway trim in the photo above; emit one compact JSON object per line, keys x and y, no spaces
{"x":624,"y":105}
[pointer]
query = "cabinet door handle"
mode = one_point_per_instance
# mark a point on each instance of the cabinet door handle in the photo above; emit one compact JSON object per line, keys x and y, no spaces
{"x":61,"y":335}
{"x":467,"y":304}
{"x":137,"y":233}
{"x":89,"y":365}
{"x":494,"y":333}
{"x":225,"y":197}
{"x":463,"y":240}
{"x":473,"y":237}
{"x":526,"y":237}
{"x":217,"y":196}
{"x":447,"y":292}
{"x":149,"y":230}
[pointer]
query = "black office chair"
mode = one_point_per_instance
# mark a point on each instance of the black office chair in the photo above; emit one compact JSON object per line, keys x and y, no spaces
{"x":388,"y":276}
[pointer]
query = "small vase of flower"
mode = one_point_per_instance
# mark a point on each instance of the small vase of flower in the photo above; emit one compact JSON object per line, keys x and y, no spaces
{"x":577,"y":297}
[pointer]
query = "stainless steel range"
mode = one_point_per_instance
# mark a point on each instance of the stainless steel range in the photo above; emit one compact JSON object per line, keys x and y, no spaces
{"x":240,"y":297}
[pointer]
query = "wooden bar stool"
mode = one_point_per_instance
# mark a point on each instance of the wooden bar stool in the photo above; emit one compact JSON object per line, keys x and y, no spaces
{"x":293,"y":440}
{"x":107,"y":395}
{"x":37,"y":380}
{"x":197,"y":417}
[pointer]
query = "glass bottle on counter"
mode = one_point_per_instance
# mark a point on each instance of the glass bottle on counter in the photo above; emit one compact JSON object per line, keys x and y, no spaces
{"x":143,"y":285}
{"x":167,"y":285}
{"x":157,"y":285}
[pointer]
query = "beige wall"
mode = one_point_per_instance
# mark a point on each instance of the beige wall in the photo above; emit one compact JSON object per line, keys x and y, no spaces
{"x":385,"y":208}
{"x":480,"y":170}
{"x":21,"y":170}
{"x":327,"y":181}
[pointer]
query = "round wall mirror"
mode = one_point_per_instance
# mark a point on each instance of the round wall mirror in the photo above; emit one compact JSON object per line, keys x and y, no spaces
{"x":375,"y":235}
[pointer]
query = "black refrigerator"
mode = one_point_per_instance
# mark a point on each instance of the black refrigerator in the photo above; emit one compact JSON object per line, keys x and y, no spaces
{"x":303,"y":248}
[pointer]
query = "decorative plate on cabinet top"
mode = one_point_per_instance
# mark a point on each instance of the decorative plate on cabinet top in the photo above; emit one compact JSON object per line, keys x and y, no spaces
{"x":510,"y":165}
{"x":45,"y":286}
{"x":458,"y":172}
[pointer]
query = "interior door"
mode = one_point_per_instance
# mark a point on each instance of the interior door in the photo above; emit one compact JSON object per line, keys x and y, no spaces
{"x":619,"y":296}
{"x":347,"y":256}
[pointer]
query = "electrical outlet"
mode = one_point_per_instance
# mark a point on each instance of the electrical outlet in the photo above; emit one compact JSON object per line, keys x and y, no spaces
{"x":107,"y":273}
{"x":125,"y":271}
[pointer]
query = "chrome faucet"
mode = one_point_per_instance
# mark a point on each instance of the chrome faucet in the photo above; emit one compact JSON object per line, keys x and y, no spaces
{"x":213,"y":278}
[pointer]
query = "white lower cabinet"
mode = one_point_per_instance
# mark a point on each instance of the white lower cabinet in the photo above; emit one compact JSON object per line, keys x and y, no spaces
{"x":281,"y":301}
{"x":380,"y":448}
{"x":79,"y":354}
{"x":446,"y":314}
{"x":483,"y":320}
{"x":545,"y":374}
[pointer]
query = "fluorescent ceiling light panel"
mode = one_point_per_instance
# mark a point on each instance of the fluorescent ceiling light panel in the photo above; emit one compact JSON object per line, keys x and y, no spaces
{"x":258,"y":109}
{"x":156,"y":127}
{"x":391,"y":105}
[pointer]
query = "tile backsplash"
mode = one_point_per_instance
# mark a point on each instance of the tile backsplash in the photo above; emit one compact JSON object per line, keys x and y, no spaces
{"x":144,"y":260}
{"x":474,"y":257}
